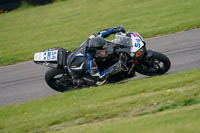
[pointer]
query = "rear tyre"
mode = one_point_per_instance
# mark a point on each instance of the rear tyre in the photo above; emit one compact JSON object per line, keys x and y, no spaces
{"x":58,"y":79}
{"x":157,"y":64}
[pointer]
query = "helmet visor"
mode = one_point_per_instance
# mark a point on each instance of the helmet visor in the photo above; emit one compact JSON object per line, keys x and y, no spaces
{"x":101,"y":53}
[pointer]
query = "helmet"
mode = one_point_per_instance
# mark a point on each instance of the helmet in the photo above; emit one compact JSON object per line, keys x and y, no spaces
{"x":97,"y":43}
{"x":99,"y":46}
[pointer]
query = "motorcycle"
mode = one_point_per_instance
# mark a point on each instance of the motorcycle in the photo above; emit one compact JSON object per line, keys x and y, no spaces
{"x":129,"y":47}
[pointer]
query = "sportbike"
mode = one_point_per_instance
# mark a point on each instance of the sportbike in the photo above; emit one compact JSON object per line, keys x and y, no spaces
{"x":129,"y":46}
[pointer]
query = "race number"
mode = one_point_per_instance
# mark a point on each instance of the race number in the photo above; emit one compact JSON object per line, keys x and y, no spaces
{"x":46,"y":56}
{"x":136,"y":43}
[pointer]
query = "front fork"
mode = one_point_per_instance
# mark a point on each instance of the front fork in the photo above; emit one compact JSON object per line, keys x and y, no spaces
{"x":149,"y":54}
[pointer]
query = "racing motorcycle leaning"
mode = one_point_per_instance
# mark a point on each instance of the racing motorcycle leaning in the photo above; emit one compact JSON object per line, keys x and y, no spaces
{"x":129,"y":47}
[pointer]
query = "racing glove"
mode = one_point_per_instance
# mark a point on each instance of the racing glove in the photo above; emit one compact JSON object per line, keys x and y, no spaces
{"x":119,"y":29}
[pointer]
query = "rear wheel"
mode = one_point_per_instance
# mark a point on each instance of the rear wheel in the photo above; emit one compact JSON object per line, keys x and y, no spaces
{"x":58,"y":79}
{"x":157,"y":64}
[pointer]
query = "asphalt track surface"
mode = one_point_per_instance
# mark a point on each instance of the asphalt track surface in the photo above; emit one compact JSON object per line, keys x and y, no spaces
{"x":25,"y":81}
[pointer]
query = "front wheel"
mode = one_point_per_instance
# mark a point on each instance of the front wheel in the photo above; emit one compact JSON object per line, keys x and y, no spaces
{"x":157,"y":64}
{"x":58,"y":79}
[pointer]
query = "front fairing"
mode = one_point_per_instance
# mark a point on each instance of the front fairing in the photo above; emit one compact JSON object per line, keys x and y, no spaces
{"x":132,"y":43}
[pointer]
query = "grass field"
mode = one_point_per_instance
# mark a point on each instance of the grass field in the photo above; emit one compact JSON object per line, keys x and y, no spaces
{"x":66,"y":24}
{"x":140,"y":106}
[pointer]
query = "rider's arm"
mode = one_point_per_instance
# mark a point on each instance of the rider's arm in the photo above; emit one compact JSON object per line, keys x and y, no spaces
{"x":105,"y":33}
{"x":98,"y":75}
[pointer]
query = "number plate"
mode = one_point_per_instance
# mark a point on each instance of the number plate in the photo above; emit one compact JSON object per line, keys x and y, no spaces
{"x":46,"y":56}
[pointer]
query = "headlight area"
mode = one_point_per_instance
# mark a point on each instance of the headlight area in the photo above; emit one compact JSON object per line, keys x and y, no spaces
{"x":139,"y":54}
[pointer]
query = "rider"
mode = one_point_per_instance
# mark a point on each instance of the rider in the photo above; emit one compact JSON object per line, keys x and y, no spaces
{"x":82,"y":65}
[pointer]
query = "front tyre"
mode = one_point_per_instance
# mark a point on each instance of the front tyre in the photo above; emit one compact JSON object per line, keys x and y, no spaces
{"x":58,"y":80}
{"x":156,"y":64}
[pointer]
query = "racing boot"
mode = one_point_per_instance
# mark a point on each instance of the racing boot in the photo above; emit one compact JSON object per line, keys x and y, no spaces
{"x":79,"y":83}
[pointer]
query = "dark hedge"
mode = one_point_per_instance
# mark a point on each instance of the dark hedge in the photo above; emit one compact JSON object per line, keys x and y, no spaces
{"x":7,"y":1}
{"x":38,"y":2}
{"x":9,"y":5}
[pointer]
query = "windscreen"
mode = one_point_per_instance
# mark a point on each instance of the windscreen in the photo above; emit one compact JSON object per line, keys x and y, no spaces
{"x":122,"y":39}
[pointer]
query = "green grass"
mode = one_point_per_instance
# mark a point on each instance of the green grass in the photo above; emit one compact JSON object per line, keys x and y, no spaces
{"x":66,"y":24}
{"x":184,"y":120}
{"x":171,"y":105}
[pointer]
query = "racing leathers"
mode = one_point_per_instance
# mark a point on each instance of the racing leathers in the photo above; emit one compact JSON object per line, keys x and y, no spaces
{"x":81,"y":62}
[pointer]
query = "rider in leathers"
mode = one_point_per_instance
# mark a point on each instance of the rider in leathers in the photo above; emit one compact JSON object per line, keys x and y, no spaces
{"x":82,"y":65}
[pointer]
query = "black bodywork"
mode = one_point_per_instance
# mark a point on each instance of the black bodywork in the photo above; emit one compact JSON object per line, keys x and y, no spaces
{"x":148,"y":63}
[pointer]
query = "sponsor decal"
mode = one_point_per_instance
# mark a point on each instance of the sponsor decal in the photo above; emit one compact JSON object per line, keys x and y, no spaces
{"x":46,"y":56}
{"x":54,"y":54}
{"x":132,"y":54}
{"x":139,"y":53}
{"x":49,"y":56}
{"x":53,"y":57}
{"x":135,"y":35}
